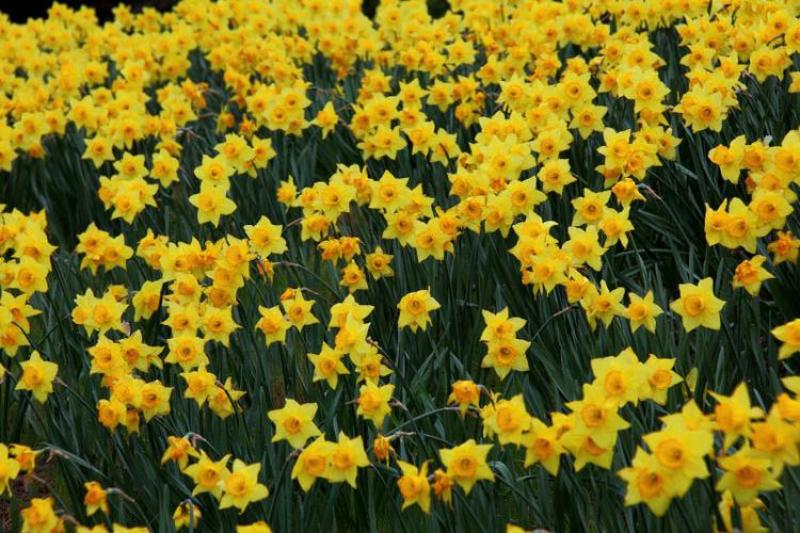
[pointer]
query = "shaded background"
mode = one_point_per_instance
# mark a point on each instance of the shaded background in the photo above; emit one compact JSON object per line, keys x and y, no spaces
{"x":21,"y":10}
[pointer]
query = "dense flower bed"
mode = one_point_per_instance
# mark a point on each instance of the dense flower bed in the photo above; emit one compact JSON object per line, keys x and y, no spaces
{"x":532,"y":264}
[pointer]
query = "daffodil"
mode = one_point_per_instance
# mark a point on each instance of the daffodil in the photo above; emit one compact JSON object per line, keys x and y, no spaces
{"x":415,"y":308}
{"x":294,"y":423}
{"x":466,"y":463}
{"x":747,"y":473}
{"x":312,"y":463}
{"x":37,"y":377}
{"x":698,"y":306}
{"x":414,"y":486}
{"x":241,"y":487}
{"x":347,"y":455}
{"x":789,"y":335}
{"x":373,"y":402}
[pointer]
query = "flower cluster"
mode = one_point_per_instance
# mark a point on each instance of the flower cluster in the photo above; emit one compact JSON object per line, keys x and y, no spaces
{"x":278,"y":262}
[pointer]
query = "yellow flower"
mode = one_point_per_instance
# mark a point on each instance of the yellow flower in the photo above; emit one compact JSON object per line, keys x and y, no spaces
{"x":312,"y":463}
{"x":729,"y":159}
{"x":139,"y":355}
{"x":107,"y":359}
{"x":256,"y":527}
{"x":616,"y":147}
{"x":789,"y":335}
{"x":750,"y":273}
{"x":122,"y":529}
{"x":698,"y":306}
{"x":642,"y":311}
{"x":555,"y":174}
{"x":415,"y":308}
{"x":597,"y":416}
{"x":39,"y":516}
{"x":188,"y":352}
{"x":658,"y":378}
{"x":19,"y":309}
{"x":37,"y":376}
{"x":131,"y":167}
{"x":369,"y":365}
{"x":402,"y":226}
{"x":265,"y":237}
{"x":443,"y":486}
{"x":346,"y":456}
{"x":286,"y":191}
{"x":98,"y":150}
{"x":294,"y":423}
{"x":207,"y":475}
{"x":165,"y":168}
{"x":604,"y":304}
{"x":681,"y":453}
{"x":776,"y":439}
{"x":353,"y":278}
{"x":465,"y":393}
{"x":241,"y":487}
{"x":747,"y":472}
{"x":770,"y":208}
{"x":702,"y":110}
{"x":9,"y":469}
{"x":690,"y":418}
{"x":224,"y":401}
{"x":328,"y":365}
{"x":715,"y":222}
{"x":619,"y":377}
{"x":179,"y":449}
{"x":95,"y":498}
{"x":352,"y":338}
{"x":499,"y":326}
{"x":740,"y":227}
{"x":583,"y":247}
{"x":784,"y":248}
{"x":508,"y":419}
{"x":414,"y":486}
{"x":98,"y":314}
{"x":155,"y":400}
{"x":373,"y":402}
{"x":590,"y":208}
{"x":217,"y":324}
{"x":466,"y":463}
{"x":647,"y":483}
{"x":211,"y":203}
{"x":382,"y":448}
{"x":616,"y":225}
{"x":298,"y":311}
{"x":733,"y":413}
{"x":523,"y":196}
{"x":542,"y":445}
{"x":379,"y":264}
{"x":272,"y":324}
{"x":626,"y":192}
{"x":326,"y":119}
{"x":186,"y":515}
{"x":25,"y":456}
{"x":214,"y":171}
{"x":750,"y":520}
{"x":505,"y":355}
{"x":588,"y":118}
{"x":235,"y":152}
{"x":547,"y":268}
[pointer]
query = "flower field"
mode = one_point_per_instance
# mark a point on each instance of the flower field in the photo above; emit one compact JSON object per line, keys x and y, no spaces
{"x":274,"y":265}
